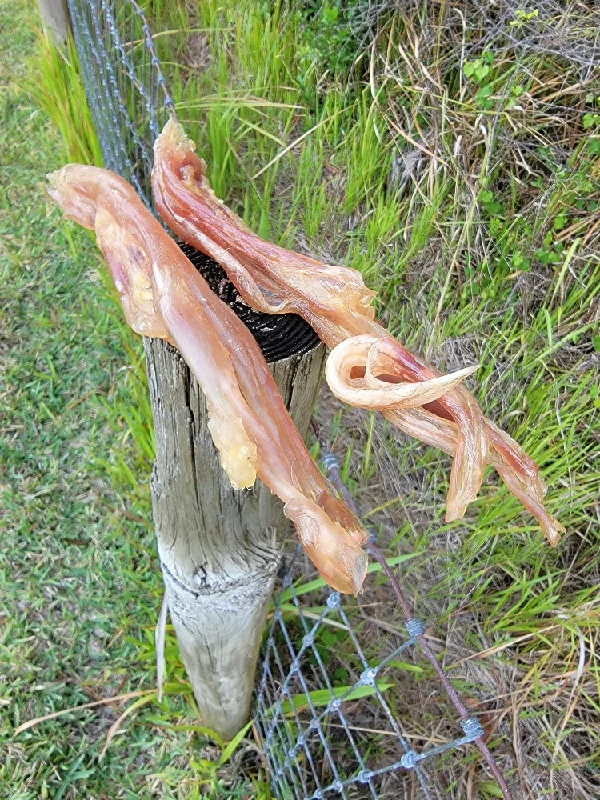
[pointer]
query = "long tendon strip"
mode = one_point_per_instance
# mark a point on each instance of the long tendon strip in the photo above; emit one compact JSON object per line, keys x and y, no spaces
{"x":162,"y":295}
{"x":335,"y":301}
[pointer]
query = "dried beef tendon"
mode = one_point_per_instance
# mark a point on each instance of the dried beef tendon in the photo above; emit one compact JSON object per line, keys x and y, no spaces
{"x":372,"y":370}
{"x":163,"y":296}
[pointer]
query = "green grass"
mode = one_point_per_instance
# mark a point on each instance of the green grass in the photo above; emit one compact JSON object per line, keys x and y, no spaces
{"x":80,"y":586}
{"x":487,"y":253}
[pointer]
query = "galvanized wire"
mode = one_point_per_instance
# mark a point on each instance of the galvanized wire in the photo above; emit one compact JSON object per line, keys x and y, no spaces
{"x":126,"y":90}
{"x":311,"y":744}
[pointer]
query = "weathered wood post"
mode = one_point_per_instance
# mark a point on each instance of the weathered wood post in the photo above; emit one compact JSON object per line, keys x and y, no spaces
{"x":219,"y":548}
{"x":55,"y":19}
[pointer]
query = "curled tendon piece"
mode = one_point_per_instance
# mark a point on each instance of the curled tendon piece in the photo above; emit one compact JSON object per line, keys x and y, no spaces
{"x":358,"y":372}
{"x":164,"y":296}
{"x":335,"y":301}
{"x":395,"y":365}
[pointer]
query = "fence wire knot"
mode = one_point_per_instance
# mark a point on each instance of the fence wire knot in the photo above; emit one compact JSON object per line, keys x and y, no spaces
{"x":472,"y":728}
{"x":368,"y":677}
{"x":409,"y":759}
{"x":329,"y":462}
{"x":414,"y":627}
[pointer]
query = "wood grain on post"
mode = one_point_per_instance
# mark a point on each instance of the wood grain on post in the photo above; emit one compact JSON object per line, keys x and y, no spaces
{"x":219,"y":548}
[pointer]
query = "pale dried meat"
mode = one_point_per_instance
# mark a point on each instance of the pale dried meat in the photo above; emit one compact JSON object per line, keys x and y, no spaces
{"x":163,"y":296}
{"x":335,"y":301}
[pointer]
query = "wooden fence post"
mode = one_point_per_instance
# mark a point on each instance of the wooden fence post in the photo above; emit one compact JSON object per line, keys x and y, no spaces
{"x":219,"y":549}
{"x":55,"y":19}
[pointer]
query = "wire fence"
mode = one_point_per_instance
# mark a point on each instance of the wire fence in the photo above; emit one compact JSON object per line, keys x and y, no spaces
{"x":126,"y":90}
{"x":342,"y":738}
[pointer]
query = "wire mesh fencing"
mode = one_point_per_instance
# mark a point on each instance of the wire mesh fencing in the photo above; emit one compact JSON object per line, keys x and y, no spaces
{"x":298,"y":745}
{"x":325,"y":728}
{"x":126,"y":90}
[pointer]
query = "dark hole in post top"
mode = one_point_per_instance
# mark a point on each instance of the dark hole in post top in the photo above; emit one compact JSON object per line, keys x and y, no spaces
{"x":279,"y":336}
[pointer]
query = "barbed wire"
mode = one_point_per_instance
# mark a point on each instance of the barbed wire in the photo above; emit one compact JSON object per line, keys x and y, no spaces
{"x":302,"y":730}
